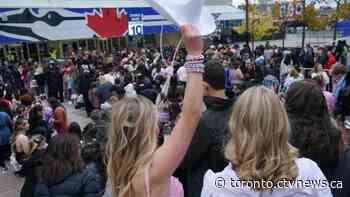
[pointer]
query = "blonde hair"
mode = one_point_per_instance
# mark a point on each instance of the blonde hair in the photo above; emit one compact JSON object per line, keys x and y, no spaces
{"x":36,"y":141}
{"x":258,"y":143}
{"x":132,"y":142}
{"x":113,"y":100}
{"x":294,"y":73}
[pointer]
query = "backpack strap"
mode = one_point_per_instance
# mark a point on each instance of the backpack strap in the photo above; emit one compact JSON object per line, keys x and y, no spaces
{"x":227,"y":78}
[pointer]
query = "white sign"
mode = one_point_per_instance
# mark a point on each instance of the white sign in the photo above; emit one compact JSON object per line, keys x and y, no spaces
{"x":135,"y":28}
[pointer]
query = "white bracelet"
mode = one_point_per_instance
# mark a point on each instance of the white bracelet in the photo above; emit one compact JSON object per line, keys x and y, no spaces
{"x":194,"y":67}
{"x":195,"y":57}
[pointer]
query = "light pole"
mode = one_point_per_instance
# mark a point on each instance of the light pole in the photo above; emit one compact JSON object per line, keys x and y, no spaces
{"x":304,"y":26}
{"x":247,"y":22}
{"x":217,"y":23}
{"x":284,"y":23}
{"x":336,"y":21}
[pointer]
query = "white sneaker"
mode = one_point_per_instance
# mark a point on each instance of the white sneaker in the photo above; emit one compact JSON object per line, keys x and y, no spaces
{"x":3,"y":170}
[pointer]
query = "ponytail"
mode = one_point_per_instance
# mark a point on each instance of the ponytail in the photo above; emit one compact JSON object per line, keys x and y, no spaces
{"x":35,"y":142}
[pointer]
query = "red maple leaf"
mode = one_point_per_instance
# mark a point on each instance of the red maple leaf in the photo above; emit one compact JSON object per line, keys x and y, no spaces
{"x":110,"y":23}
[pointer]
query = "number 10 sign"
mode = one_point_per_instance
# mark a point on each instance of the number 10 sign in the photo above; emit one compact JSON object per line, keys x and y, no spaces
{"x":135,"y":28}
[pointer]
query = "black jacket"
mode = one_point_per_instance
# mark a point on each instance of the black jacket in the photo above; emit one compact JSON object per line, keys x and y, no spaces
{"x":340,"y":173}
{"x":54,"y":79}
{"x":28,"y":172}
{"x":343,"y":102}
{"x":83,"y":184}
{"x":206,"y":149}
{"x":84,"y":83}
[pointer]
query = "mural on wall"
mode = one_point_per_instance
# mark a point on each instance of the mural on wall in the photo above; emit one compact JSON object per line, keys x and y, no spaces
{"x":18,"y":25}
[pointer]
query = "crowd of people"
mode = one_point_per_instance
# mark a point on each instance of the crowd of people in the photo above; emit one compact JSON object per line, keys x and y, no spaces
{"x":203,"y":120}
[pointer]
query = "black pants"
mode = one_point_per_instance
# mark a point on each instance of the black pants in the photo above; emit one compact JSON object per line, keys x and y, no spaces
{"x":307,"y":73}
{"x":88,"y":106}
{"x":28,"y":187}
{"x":40,"y":79}
{"x":53,"y":92}
{"x":61,"y":93}
{"x":56,"y":93}
{"x":5,"y":153}
{"x":41,"y":89}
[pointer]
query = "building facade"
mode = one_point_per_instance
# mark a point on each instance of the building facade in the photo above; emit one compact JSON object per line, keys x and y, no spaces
{"x":38,"y":25}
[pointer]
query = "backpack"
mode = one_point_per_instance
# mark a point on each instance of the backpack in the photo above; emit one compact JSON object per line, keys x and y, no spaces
{"x":343,"y":102}
{"x":228,"y":85}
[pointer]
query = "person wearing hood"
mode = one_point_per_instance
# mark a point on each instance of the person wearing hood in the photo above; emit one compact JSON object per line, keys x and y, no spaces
{"x":63,"y":172}
{"x":262,"y":161}
{"x":205,"y":151}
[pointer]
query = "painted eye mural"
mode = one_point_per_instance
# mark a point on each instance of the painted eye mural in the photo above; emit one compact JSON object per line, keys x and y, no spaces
{"x":18,"y":25}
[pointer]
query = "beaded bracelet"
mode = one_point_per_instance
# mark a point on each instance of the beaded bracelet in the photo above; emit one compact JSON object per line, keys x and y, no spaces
{"x":194,"y":67}
{"x":195,"y":62}
{"x":190,"y":58}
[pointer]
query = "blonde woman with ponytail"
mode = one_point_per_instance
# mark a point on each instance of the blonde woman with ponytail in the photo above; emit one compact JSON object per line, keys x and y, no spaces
{"x":136,"y":167}
{"x":263,"y":163}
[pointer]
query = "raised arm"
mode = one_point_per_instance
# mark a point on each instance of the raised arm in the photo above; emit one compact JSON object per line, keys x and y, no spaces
{"x":170,"y":154}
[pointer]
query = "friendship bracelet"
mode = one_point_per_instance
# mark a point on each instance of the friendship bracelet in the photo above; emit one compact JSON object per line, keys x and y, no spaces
{"x":195,"y":62}
{"x":195,"y":57}
{"x":195,"y":70}
{"x":194,"y":67}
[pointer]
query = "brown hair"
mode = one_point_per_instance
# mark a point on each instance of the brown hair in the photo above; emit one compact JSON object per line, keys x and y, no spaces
{"x":62,"y":158}
{"x":312,"y":131}
{"x":339,"y":69}
{"x":294,"y":73}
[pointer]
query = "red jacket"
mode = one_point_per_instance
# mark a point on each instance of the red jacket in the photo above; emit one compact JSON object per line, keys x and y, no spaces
{"x":331,"y":60}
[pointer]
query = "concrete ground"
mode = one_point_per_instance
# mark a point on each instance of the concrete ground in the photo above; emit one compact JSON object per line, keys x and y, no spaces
{"x":10,"y":185}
